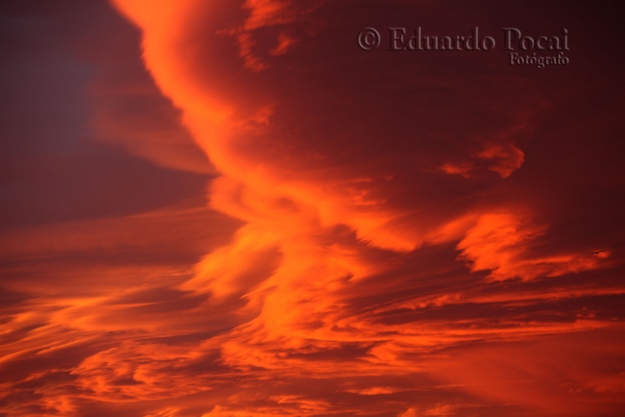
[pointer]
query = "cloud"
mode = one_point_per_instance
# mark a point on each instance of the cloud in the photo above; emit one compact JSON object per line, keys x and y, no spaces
{"x":502,"y":158}
{"x":377,"y":233}
{"x":411,"y":412}
{"x":500,"y":242}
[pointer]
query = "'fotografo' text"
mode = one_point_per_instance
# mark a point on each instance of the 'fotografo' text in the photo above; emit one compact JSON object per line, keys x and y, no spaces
{"x":524,"y":50}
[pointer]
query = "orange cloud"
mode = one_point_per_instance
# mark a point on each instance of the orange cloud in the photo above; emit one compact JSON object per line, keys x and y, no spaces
{"x":331,"y":268}
{"x":500,"y":243}
{"x":503,"y":158}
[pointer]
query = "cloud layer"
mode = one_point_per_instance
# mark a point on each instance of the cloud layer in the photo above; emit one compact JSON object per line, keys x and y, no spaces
{"x":344,"y":233}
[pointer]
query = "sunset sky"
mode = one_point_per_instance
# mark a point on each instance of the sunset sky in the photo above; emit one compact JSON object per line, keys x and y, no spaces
{"x":230,"y":208}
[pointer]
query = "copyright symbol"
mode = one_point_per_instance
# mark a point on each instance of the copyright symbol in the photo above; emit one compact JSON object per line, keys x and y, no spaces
{"x":368,"y":39}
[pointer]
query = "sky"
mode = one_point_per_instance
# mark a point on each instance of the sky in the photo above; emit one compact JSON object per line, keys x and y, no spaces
{"x":232,"y":208}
